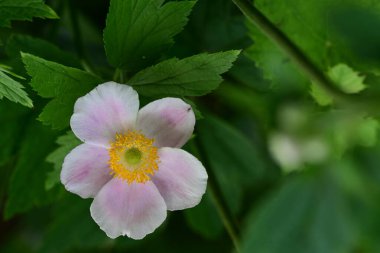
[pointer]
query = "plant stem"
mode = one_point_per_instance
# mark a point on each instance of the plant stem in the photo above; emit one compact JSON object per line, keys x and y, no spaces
{"x":217,"y":196}
{"x":289,"y":48}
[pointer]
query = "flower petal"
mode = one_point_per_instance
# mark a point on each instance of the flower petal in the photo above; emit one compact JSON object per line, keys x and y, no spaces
{"x":108,"y":109}
{"x":85,"y":170}
{"x":170,"y":121}
{"x":181,"y":178}
{"x":134,"y":210}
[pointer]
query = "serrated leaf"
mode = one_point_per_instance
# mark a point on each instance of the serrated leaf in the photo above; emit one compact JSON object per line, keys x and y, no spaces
{"x":23,"y":10}
{"x":66,"y":143}
{"x":63,"y":84}
{"x":193,"y":76}
{"x":137,"y":31}
{"x":346,"y":78}
{"x":26,"y":188}
{"x":343,"y":77}
{"x":13,"y":90}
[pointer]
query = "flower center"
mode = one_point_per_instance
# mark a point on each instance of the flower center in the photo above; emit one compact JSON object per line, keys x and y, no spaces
{"x":133,"y":157}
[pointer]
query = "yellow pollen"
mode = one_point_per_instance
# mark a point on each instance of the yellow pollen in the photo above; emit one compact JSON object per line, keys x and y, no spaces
{"x":133,"y":157}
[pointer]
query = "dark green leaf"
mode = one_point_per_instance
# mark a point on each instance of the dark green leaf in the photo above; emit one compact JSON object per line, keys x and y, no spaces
{"x":13,"y":90}
{"x":204,"y":218}
{"x":23,"y":10}
{"x":192,"y":76}
{"x":66,"y":143}
{"x":137,"y":31}
{"x":63,"y":84}
{"x":305,"y":215}
{"x":38,"y":47}
{"x":235,"y":161}
{"x":72,"y":221}
{"x":26,"y":189}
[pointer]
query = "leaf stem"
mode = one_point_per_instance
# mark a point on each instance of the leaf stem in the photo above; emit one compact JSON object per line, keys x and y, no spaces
{"x":217,"y":196}
{"x":289,"y":48}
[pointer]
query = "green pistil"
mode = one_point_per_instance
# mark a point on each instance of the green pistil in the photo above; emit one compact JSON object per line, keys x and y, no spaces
{"x":133,"y":156}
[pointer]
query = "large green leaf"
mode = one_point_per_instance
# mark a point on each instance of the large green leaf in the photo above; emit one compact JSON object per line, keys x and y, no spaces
{"x":13,"y":90}
{"x":26,"y":188}
{"x":204,"y":218}
{"x":137,"y":31}
{"x":21,"y":43}
{"x":307,"y":214}
{"x":66,"y":143}
{"x":23,"y":10}
{"x":72,"y":222}
{"x":193,"y":76}
{"x":63,"y":84}
{"x":235,"y":161}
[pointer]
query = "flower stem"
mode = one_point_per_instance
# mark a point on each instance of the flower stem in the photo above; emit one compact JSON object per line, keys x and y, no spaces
{"x":289,"y":48}
{"x":217,"y":196}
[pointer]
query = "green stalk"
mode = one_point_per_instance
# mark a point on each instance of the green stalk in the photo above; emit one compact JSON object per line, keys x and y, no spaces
{"x":289,"y":48}
{"x":218,"y":199}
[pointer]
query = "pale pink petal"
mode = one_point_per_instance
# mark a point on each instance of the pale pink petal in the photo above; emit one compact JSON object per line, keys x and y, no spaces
{"x":134,"y":210}
{"x":170,"y":121}
{"x":181,"y":178}
{"x":108,"y":109}
{"x":85,"y":170}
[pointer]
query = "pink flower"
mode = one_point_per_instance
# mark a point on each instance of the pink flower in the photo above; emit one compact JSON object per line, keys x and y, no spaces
{"x":130,"y":161}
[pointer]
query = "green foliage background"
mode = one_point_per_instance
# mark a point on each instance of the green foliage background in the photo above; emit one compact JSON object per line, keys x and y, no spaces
{"x":292,"y":167}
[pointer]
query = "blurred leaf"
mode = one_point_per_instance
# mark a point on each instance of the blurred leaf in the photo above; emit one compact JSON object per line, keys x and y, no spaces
{"x":63,"y":84}
{"x":193,"y":76}
{"x":66,"y":143}
{"x":235,"y":161}
{"x":10,"y":128}
{"x":73,"y":228}
{"x":204,"y":218}
{"x":21,"y":43}
{"x":26,"y":188}
{"x":307,"y":214}
{"x":137,"y":31}
{"x":345,"y":78}
{"x":215,"y":26}
{"x":13,"y":90}
{"x":23,"y":10}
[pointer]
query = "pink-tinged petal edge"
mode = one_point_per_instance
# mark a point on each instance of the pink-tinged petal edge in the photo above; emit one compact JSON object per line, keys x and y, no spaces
{"x":134,"y":210}
{"x":181,"y":178}
{"x":108,"y":109}
{"x":170,"y":121}
{"x":85,"y":170}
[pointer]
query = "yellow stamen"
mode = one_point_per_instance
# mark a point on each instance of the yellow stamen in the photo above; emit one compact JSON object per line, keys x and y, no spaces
{"x":133,"y":157}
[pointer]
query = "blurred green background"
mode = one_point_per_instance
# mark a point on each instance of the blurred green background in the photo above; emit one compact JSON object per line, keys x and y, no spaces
{"x":298,"y":171}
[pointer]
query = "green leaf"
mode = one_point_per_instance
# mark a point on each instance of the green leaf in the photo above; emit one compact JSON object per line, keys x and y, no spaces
{"x":345,"y":78}
{"x":26,"y":189}
{"x":66,"y":143}
{"x":236,"y":162}
{"x":23,"y":10}
{"x":193,"y":76}
{"x":73,"y":214}
{"x":307,"y":214}
{"x":11,"y":129}
{"x":64,"y":84}
{"x":204,"y":218}
{"x":137,"y":31}
{"x":13,"y":90}
{"x":21,"y":43}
